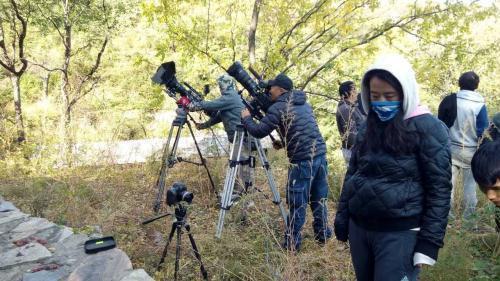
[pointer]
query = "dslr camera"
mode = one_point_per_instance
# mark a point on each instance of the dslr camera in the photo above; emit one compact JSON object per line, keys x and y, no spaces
{"x":178,"y":193}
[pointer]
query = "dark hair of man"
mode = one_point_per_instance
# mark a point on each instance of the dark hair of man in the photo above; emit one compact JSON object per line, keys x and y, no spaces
{"x":345,"y":88}
{"x":485,"y":165}
{"x":468,"y":81}
{"x":392,"y":136}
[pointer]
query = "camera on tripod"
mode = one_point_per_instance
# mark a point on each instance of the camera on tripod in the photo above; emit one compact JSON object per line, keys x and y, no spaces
{"x":175,"y":196}
{"x":259,"y":91}
{"x":165,"y":75}
{"x":178,"y":193}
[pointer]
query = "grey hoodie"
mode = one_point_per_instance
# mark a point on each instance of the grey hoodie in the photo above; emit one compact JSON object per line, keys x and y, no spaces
{"x":464,"y":133}
{"x":228,"y":105}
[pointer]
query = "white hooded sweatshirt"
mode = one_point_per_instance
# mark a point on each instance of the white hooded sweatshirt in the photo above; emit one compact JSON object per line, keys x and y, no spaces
{"x":402,"y":70}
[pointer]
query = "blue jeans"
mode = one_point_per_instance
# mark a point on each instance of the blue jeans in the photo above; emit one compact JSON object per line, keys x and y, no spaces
{"x":382,"y":256}
{"x":307,"y":184}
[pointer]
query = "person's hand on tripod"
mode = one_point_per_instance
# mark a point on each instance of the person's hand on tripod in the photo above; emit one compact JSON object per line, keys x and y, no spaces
{"x":277,"y":144}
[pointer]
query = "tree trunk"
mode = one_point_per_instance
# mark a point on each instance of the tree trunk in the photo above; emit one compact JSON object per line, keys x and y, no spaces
{"x":252,"y":31}
{"x":66,"y":142}
{"x":16,"y":89}
{"x":46,"y":80}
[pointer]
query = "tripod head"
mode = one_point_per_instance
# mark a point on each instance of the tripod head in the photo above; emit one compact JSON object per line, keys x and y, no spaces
{"x":180,"y":213}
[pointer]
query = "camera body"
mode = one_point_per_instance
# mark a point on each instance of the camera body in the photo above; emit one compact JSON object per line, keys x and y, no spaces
{"x":178,"y":193}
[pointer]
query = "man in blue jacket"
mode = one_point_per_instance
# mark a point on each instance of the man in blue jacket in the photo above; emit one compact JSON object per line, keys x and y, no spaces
{"x":307,"y":184}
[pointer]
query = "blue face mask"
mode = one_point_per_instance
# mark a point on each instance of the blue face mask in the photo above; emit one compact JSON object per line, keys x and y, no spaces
{"x":386,"y":110}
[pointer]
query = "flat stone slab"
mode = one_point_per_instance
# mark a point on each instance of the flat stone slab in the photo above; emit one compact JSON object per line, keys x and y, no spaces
{"x":45,"y":275}
{"x":6,"y":217}
{"x":107,"y":265}
{"x":35,"y":249}
{"x":137,"y":275}
{"x":30,"y":227}
{"x":29,"y":253}
{"x":6,"y":206}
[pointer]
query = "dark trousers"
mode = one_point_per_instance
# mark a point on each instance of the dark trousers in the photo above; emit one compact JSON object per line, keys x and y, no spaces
{"x":382,"y":256}
{"x":307,"y":185}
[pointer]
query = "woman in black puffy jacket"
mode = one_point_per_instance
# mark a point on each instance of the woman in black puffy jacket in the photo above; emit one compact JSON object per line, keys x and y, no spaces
{"x":396,"y":195}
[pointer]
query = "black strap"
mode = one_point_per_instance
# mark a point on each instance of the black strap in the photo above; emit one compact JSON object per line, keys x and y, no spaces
{"x":447,"y":111}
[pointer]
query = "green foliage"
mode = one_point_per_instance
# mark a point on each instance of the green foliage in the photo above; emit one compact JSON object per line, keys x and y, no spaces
{"x":318,"y":43}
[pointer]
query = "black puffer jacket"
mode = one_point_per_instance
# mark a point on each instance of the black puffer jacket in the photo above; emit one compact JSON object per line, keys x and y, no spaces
{"x":295,"y":120}
{"x":385,"y":192}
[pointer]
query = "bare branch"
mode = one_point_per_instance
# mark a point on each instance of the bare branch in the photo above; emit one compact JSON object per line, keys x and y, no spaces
{"x":196,"y":48}
{"x":44,"y":67}
{"x":47,"y":16}
{"x":368,"y":38}
{"x":99,"y":56}
{"x":86,"y":46}
{"x":421,"y":37}
{"x":83,"y":94}
{"x":8,"y":67}
{"x":322,"y":95}
{"x":318,"y":36}
{"x":302,"y":20}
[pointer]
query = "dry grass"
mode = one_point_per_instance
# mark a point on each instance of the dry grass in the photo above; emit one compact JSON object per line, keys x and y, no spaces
{"x":118,"y":198}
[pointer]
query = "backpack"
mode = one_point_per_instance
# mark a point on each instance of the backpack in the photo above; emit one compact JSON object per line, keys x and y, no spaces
{"x":447,"y":111}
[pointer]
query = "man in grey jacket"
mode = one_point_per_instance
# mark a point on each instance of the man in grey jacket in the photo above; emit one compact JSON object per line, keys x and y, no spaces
{"x":467,"y":129}
{"x":349,"y":117}
{"x":228,"y":107}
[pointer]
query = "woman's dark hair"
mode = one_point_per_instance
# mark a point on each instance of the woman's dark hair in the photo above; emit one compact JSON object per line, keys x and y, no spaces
{"x":485,"y":165}
{"x":392,"y":136}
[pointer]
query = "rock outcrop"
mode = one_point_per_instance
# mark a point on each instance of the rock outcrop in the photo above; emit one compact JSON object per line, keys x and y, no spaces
{"x":35,"y":249}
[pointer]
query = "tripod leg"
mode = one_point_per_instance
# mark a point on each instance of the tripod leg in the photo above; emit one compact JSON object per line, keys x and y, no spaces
{"x":270,"y":179}
{"x":174,"y":147}
{"x":203,"y":161}
{"x":166,"y":158}
{"x":177,"y":250}
{"x":196,"y":252}
{"x":230,"y":180}
{"x":164,"y":254}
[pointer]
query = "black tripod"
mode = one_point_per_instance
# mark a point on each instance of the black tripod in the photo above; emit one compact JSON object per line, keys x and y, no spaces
{"x":169,"y":158}
{"x":177,"y":226}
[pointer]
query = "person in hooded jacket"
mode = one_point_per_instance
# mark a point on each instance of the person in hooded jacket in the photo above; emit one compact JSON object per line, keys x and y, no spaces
{"x":470,"y":122}
{"x":307,"y":184}
{"x":395,"y":198}
{"x":228,"y":108}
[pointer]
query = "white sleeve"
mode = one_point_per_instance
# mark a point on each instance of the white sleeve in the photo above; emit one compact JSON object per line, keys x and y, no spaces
{"x":419,"y":258}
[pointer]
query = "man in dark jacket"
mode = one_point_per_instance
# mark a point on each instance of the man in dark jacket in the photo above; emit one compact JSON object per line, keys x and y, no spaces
{"x":349,"y":117}
{"x":306,"y":149}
